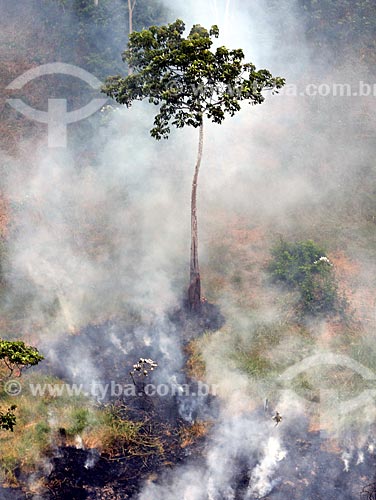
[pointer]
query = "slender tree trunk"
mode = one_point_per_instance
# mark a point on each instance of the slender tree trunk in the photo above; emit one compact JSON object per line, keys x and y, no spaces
{"x":194,"y":290}
{"x":131,"y":5}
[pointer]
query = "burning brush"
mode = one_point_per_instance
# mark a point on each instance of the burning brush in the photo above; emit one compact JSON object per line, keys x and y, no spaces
{"x":142,"y":368}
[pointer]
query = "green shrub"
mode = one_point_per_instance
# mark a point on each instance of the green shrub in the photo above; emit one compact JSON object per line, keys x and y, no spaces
{"x":305,"y":268}
{"x":42,"y":431}
{"x":79,"y":420}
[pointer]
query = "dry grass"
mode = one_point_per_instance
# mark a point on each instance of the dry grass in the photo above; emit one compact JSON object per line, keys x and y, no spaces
{"x":189,"y":435}
{"x":118,"y":436}
{"x":195,"y":366}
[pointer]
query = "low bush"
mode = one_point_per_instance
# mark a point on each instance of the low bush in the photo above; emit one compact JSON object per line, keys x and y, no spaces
{"x":304,"y":267}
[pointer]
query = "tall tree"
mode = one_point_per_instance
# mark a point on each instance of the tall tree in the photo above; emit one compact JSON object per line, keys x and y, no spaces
{"x":189,"y":82}
{"x":131,"y":6}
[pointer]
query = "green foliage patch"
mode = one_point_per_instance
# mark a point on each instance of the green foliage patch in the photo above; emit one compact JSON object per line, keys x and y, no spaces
{"x":17,"y":353}
{"x":304,"y":267}
{"x":8,"y":418}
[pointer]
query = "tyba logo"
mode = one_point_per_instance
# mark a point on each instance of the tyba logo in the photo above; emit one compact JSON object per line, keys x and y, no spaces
{"x":57,"y":116}
{"x":329,"y":399}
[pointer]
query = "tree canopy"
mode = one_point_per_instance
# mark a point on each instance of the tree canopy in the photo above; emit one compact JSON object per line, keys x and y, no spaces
{"x":188,"y":82}
{"x":186,"y":78}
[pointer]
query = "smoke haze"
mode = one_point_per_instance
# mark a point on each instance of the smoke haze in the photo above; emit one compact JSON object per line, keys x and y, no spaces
{"x":104,"y":234}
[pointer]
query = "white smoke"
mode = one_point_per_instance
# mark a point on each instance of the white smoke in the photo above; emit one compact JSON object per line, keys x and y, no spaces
{"x":262,"y":478}
{"x":132,"y":204}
